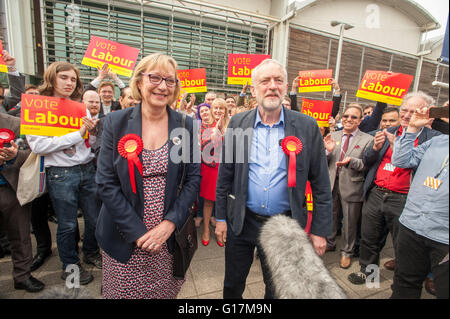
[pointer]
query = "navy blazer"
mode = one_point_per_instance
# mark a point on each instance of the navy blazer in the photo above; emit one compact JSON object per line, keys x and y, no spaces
{"x":232,"y":182}
{"x":372,"y":159}
{"x":120,"y":222}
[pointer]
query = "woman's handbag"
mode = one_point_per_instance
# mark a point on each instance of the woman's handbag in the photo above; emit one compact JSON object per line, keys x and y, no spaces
{"x":32,"y":179}
{"x":186,"y":237}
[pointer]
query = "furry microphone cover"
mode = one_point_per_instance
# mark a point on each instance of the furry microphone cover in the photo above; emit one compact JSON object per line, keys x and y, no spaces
{"x":297,"y":271}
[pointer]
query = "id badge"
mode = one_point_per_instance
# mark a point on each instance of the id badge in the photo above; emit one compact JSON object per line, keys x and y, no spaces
{"x":432,"y":182}
{"x":389,"y":167}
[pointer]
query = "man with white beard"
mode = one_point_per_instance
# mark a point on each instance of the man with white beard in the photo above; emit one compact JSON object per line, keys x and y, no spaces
{"x":270,"y":178}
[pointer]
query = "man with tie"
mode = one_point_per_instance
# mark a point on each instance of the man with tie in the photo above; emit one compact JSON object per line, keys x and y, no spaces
{"x":344,"y":150}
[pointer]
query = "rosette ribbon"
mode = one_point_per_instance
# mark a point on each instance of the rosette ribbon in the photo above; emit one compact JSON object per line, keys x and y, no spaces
{"x":130,"y":146}
{"x":6,"y":136}
{"x":291,"y":146}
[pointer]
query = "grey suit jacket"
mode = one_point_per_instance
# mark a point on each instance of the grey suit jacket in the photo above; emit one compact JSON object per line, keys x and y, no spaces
{"x":351,"y":178}
{"x":232,"y":182}
{"x":11,"y":172}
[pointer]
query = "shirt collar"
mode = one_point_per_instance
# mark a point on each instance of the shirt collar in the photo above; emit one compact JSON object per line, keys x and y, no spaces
{"x":259,"y":121}
{"x":353,"y":133}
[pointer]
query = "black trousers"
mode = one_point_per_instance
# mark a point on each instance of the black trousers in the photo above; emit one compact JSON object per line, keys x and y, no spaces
{"x":40,"y":209}
{"x":380,"y":210}
{"x":416,"y":256}
{"x":239,"y":251}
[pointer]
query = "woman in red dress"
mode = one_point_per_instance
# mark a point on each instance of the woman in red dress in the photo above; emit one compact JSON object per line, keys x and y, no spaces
{"x":214,"y":122}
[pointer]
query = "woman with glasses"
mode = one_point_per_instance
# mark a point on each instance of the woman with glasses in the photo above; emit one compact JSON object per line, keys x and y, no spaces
{"x":139,"y":169}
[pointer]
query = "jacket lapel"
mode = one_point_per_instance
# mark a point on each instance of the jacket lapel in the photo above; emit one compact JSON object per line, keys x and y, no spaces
{"x":247,"y":122}
{"x":172,"y":168}
{"x":135,"y":127}
{"x":353,"y":142}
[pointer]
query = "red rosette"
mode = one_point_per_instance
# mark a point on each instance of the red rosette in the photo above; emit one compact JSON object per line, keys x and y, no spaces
{"x":129,"y":147}
{"x":291,"y":146}
{"x":6,"y":136}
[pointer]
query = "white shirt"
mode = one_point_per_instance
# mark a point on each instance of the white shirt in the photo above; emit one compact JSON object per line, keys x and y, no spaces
{"x":61,"y":151}
{"x":106,"y":109}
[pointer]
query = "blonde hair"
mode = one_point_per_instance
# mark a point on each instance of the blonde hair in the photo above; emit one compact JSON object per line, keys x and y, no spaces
{"x":157,"y":61}
{"x":221,"y":102}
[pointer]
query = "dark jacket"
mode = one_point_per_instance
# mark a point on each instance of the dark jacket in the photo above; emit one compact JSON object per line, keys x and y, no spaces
{"x":311,"y":165}
{"x":11,"y":172}
{"x":120,"y":221}
{"x":372,"y":159}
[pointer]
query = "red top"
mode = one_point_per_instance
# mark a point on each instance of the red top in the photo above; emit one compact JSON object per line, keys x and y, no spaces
{"x":394,"y":178}
{"x":210,"y":156}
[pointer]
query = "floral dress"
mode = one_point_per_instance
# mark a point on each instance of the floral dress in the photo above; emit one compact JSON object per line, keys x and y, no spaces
{"x":145,"y":276}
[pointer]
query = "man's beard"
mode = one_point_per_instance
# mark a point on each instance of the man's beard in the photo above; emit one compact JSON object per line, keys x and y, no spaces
{"x":269,"y":104}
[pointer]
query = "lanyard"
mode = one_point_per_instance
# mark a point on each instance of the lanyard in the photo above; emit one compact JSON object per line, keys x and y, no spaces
{"x":444,"y":164}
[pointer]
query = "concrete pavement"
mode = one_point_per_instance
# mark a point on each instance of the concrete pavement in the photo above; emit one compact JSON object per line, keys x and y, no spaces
{"x":205,"y":275}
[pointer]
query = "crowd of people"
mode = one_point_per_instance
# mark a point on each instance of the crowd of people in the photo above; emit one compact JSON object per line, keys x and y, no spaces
{"x":376,"y":169}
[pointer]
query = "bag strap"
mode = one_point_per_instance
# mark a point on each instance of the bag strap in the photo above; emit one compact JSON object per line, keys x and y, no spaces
{"x":183,"y":165}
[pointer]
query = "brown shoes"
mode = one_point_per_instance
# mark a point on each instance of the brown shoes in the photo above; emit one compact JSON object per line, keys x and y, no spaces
{"x":390,"y":264}
{"x":345,"y":262}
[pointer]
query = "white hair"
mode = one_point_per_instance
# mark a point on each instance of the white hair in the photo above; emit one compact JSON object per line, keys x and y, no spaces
{"x":428,"y":99}
{"x":262,"y":64}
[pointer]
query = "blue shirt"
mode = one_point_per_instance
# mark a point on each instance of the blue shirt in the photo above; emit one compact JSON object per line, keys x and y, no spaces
{"x":267,"y":178}
{"x":426,"y":210}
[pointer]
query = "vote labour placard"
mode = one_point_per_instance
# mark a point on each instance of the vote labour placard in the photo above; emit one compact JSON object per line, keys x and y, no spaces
{"x":120,"y":58}
{"x":193,"y":80}
{"x":320,"y":110}
{"x":387,"y":87}
{"x":240,"y":67}
{"x":50,"y":116}
{"x":3,"y":67}
{"x":314,"y":81}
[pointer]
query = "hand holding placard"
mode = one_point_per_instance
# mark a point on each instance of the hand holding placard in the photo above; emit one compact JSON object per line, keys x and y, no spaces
{"x":120,"y":58}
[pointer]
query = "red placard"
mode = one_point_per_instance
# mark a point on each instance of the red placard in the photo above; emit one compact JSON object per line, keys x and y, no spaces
{"x":320,"y":110}
{"x":240,"y":67}
{"x":120,"y":58}
{"x":193,"y":80}
{"x":3,"y":67}
{"x":315,"y":80}
{"x":50,"y":116}
{"x":387,"y":87}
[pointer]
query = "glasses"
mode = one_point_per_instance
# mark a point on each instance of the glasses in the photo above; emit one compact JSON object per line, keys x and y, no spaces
{"x":353,"y":117}
{"x":157,"y":79}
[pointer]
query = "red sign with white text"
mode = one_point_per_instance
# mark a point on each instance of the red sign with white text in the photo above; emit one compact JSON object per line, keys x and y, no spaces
{"x":193,"y":80}
{"x":120,"y":58}
{"x":314,"y":81}
{"x":386,"y":87}
{"x":320,"y":110}
{"x":50,"y":116}
{"x":240,"y":67}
